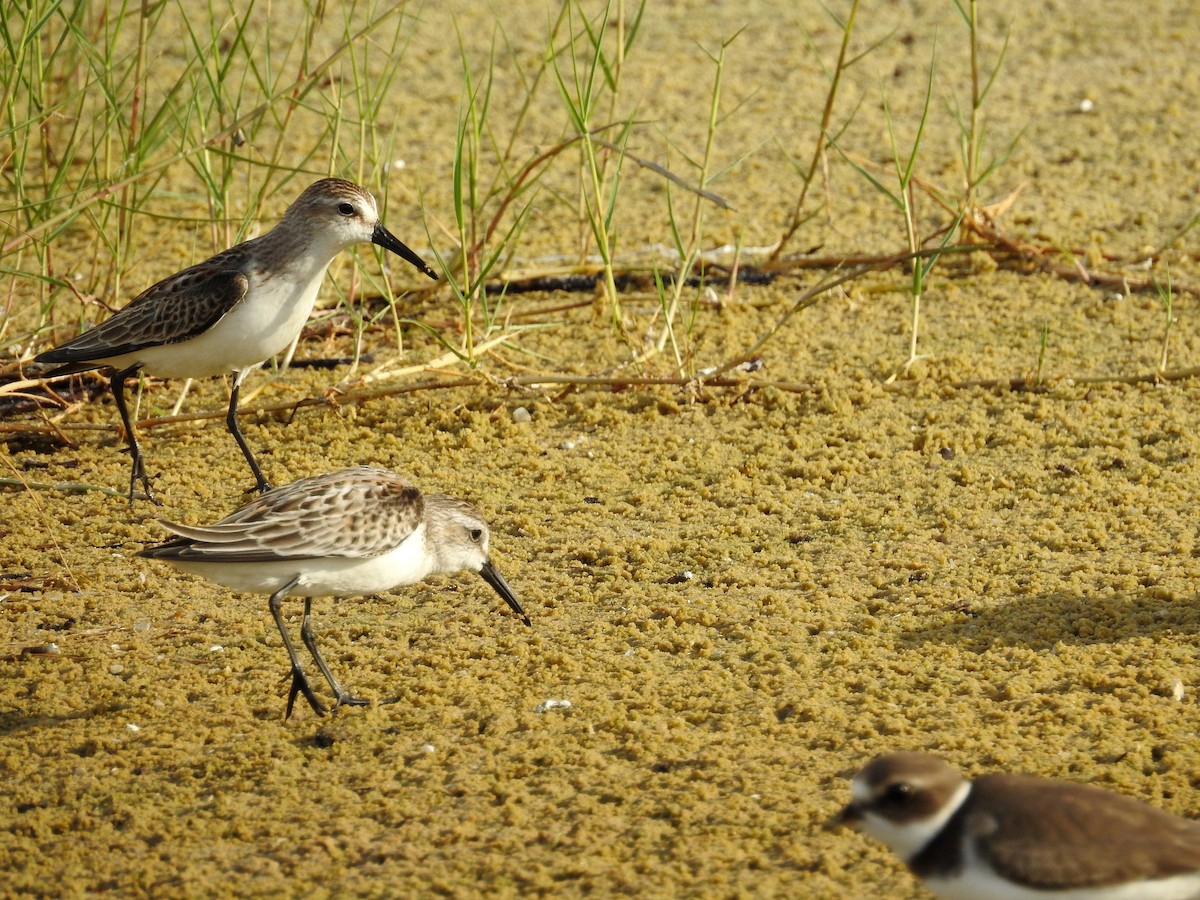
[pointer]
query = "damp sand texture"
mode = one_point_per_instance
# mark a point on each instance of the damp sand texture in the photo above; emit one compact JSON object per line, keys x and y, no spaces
{"x":741,"y":594}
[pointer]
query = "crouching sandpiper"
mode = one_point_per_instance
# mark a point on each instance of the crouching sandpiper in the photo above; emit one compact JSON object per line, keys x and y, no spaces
{"x":353,"y":531}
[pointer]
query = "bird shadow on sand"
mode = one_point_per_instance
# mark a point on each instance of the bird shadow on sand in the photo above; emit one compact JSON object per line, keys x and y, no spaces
{"x":1044,"y":621}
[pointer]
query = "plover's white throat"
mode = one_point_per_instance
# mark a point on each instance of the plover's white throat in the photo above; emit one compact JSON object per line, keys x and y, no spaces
{"x":234,"y":311}
{"x":1004,"y":837}
{"x":353,"y":531}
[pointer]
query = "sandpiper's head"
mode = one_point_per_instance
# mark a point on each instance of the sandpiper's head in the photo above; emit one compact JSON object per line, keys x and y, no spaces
{"x":346,"y":214}
{"x":903,"y":799}
{"x":459,"y":538}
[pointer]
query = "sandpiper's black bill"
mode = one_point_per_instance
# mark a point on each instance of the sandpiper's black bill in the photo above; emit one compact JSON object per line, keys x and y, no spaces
{"x":492,"y":577}
{"x":389,"y":241}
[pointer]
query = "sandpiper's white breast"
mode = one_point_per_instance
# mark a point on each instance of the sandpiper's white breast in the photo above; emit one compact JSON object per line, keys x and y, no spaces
{"x":339,"y":576}
{"x":264,"y":323}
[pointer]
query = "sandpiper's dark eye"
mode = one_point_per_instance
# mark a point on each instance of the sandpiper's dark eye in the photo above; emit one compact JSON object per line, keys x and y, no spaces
{"x":346,"y":209}
{"x":898,"y":793}
{"x":477,"y":534}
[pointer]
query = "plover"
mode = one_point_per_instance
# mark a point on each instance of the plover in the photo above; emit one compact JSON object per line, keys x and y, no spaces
{"x":348,"y":532}
{"x":1017,"y":836}
{"x":232,"y":312}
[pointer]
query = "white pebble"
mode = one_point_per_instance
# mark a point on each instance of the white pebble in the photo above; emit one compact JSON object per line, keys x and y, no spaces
{"x":552,"y":704}
{"x":521,"y":415}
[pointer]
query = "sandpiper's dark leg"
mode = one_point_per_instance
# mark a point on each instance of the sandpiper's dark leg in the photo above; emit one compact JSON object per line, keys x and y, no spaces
{"x":300,"y":683}
{"x":310,"y":641}
{"x":138,"y":472}
{"x":231,"y":423}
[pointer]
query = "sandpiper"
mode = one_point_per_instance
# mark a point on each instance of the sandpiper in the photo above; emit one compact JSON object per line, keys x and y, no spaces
{"x":348,"y":532}
{"x":1017,"y":836}
{"x":232,"y":312}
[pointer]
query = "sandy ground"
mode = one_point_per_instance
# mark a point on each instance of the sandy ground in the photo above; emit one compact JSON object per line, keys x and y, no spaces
{"x":743,"y":594}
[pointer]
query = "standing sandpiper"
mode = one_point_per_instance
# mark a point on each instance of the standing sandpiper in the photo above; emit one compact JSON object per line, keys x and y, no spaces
{"x":232,"y":312}
{"x":1006,"y":837}
{"x":353,"y":531}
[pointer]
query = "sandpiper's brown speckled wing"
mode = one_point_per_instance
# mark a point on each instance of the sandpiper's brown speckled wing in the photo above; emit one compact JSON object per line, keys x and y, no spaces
{"x":357,"y":513}
{"x":177,"y":308}
{"x":1116,"y":837}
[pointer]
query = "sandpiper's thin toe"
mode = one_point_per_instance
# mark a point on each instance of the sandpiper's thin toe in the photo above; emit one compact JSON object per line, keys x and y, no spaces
{"x":146,"y":494}
{"x":349,"y":700}
{"x":140,"y":476}
{"x":300,"y":686}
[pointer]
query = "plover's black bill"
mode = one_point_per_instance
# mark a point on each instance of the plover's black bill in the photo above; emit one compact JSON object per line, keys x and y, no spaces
{"x":389,"y":241}
{"x":496,"y":580}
